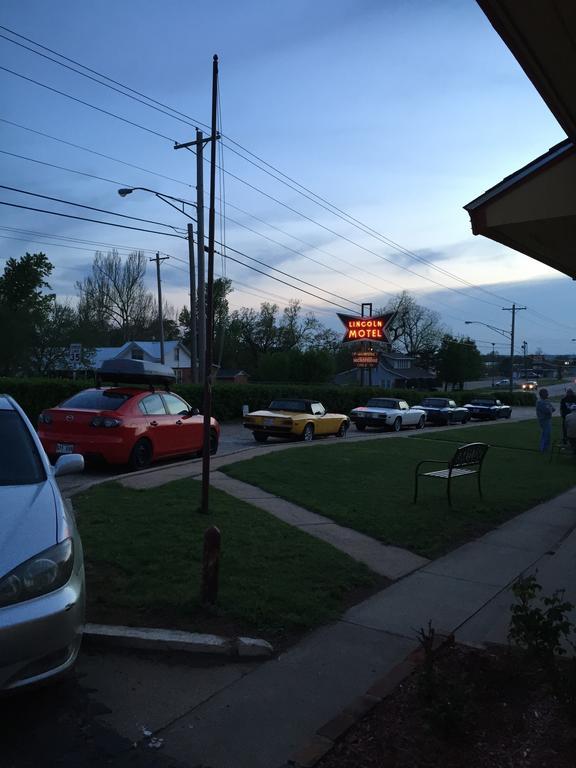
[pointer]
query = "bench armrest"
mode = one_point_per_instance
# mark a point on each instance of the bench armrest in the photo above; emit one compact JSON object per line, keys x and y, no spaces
{"x":430,"y":461}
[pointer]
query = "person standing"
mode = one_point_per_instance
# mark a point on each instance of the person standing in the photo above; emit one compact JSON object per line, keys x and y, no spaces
{"x":570,"y":423}
{"x":566,"y":404}
{"x":544,"y":411}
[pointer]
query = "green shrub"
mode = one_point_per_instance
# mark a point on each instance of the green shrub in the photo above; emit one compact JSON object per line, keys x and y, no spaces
{"x":34,"y":395}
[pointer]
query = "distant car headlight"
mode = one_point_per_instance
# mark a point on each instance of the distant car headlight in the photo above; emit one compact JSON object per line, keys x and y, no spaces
{"x":40,"y":575}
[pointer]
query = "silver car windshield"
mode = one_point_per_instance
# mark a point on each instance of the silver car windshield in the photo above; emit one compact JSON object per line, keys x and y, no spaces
{"x":20,"y":463}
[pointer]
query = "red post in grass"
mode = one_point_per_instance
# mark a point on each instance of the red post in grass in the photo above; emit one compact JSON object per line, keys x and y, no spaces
{"x":211,"y":565}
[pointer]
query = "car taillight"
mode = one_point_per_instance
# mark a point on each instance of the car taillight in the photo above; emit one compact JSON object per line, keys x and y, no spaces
{"x":105,"y":421}
{"x":44,"y":418}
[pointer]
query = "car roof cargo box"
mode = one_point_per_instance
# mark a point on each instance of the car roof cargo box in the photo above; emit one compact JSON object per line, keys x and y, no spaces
{"x":135,"y":372}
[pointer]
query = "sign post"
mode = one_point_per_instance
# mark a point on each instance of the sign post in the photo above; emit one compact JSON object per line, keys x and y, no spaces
{"x":75,"y":357}
{"x":366,"y":329}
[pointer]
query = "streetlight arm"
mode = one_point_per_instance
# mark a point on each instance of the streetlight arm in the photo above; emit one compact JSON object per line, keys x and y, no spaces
{"x":501,"y":331}
{"x":125,"y":191}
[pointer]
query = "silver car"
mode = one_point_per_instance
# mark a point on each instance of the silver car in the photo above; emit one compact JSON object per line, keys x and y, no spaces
{"x":41,"y":560}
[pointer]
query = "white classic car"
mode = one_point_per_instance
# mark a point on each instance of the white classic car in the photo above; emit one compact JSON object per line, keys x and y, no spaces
{"x":387,"y":412}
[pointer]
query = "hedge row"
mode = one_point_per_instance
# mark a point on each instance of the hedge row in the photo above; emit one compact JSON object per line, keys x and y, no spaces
{"x":34,"y":395}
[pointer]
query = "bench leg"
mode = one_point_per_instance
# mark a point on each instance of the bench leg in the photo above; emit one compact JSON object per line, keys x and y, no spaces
{"x":479,"y":486}
{"x":448,"y":493}
{"x":415,"y":489}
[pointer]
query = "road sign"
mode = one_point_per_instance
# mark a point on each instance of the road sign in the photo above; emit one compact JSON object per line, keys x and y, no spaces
{"x":75,"y":354}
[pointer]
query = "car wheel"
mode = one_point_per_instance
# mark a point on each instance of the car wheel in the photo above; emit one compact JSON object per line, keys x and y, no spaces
{"x":422,"y":423}
{"x":343,"y":428}
{"x":397,"y":426}
{"x":360,"y":426}
{"x":213,"y":442}
{"x":260,"y":437}
{"x":465,"y":419}
{"x":141,"y":454}
{"x":508,"y":415}
{"x":308,"y":434}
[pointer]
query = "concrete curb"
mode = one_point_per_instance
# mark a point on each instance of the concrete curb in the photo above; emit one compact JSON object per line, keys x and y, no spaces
{"x":151,"y":639}
{"x":331,"y":732}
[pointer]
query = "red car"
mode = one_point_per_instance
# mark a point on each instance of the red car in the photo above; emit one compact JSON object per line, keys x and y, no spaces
{"x":124,"y":425}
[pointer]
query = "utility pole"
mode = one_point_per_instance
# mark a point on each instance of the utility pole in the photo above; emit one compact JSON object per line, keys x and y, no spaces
{"x":193,"y":311}
{"x":206,"y":295}
{"x":512,"y":309}
{"x":493,"y":362}
{"x":157,"y":259}
{"x":524,"y":347}
{"x":200,"y":225}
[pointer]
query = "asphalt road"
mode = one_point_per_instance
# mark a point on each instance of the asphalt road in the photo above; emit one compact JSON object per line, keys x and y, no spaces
{"x":234,"y":439}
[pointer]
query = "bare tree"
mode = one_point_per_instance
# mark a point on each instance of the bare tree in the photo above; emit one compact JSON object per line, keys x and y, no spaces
{"x":115,"y":294}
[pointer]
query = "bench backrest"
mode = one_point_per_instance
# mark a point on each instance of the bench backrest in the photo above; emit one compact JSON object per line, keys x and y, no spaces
{"x":469,"y":455}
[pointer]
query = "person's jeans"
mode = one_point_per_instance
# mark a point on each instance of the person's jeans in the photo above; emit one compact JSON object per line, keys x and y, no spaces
{"x":546,"y":427}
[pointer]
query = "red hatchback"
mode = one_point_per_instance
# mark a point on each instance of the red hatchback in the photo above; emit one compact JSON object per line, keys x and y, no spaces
{"x":124,"y":425}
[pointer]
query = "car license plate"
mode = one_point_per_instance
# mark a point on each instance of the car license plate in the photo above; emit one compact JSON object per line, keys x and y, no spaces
{"x":268,"y":422}
{"x":64,"y":448}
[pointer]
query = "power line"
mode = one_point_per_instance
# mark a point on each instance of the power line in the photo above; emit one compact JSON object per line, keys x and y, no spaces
{"x":86,"y":103}
{"x":89,"y":207}
{"x":282,"y":177}
{"x":95,"y":221}
{"x":334,"y":210}
{"x":94,"y":152}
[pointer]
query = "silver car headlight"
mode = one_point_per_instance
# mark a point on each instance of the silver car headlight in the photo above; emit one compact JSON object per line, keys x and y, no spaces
{"x":43,"y":573}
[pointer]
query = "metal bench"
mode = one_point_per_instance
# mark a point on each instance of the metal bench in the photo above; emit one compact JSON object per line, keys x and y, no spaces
{"x":466,"y":461}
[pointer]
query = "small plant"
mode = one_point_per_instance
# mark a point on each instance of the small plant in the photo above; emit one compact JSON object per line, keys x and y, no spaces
{"x":445,"y":699}
{"x":541,"y":628}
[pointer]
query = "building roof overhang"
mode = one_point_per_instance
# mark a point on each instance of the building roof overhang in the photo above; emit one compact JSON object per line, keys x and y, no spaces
{"x":534,"y":210}
{"x":541,"y":34}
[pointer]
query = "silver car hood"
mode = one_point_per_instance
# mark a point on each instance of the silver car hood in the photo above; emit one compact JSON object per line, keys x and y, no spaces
{"x":28,"y":523}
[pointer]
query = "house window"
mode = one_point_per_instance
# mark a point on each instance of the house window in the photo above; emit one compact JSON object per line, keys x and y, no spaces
{"x":137,"y":354}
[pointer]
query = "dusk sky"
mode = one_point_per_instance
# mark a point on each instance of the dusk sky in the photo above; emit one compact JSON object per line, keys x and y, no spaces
{"x":397,"y":113}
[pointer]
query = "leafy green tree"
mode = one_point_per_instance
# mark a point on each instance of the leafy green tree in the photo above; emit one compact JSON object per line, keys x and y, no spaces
{"x":24,"y":309}
{"x":458,"y":360}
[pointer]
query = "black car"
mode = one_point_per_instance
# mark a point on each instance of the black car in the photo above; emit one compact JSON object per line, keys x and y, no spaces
{"x":488,"y":408}
{"x":442,"y":410}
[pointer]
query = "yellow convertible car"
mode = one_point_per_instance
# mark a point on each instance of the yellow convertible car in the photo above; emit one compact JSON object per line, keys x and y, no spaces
{"x":302,"y":419}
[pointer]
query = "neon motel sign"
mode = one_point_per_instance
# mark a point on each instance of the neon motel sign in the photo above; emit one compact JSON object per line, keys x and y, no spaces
{"x":366,"y":328}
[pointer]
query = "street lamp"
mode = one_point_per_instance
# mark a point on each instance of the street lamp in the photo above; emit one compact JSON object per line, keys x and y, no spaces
{"x":507,"y":335}
{"x":207,"y":347}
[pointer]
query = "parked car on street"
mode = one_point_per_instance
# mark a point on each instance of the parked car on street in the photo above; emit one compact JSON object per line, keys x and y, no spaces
{"x":488,"y":408}
{"x":125,"y":425}
{"x":295,"y":418}
{"x":502,"y":383}
{"x":387,"y":412}
{"x":443,"y":410}
{"x":41,"y":560}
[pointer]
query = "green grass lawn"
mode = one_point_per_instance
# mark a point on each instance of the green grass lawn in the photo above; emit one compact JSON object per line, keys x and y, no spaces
{"x":368,"y":486}
{"x":143,"y":553}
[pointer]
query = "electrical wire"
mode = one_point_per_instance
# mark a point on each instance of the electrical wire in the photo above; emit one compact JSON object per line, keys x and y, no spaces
{"x":281,"y":177}
{"x":88,"y":207}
